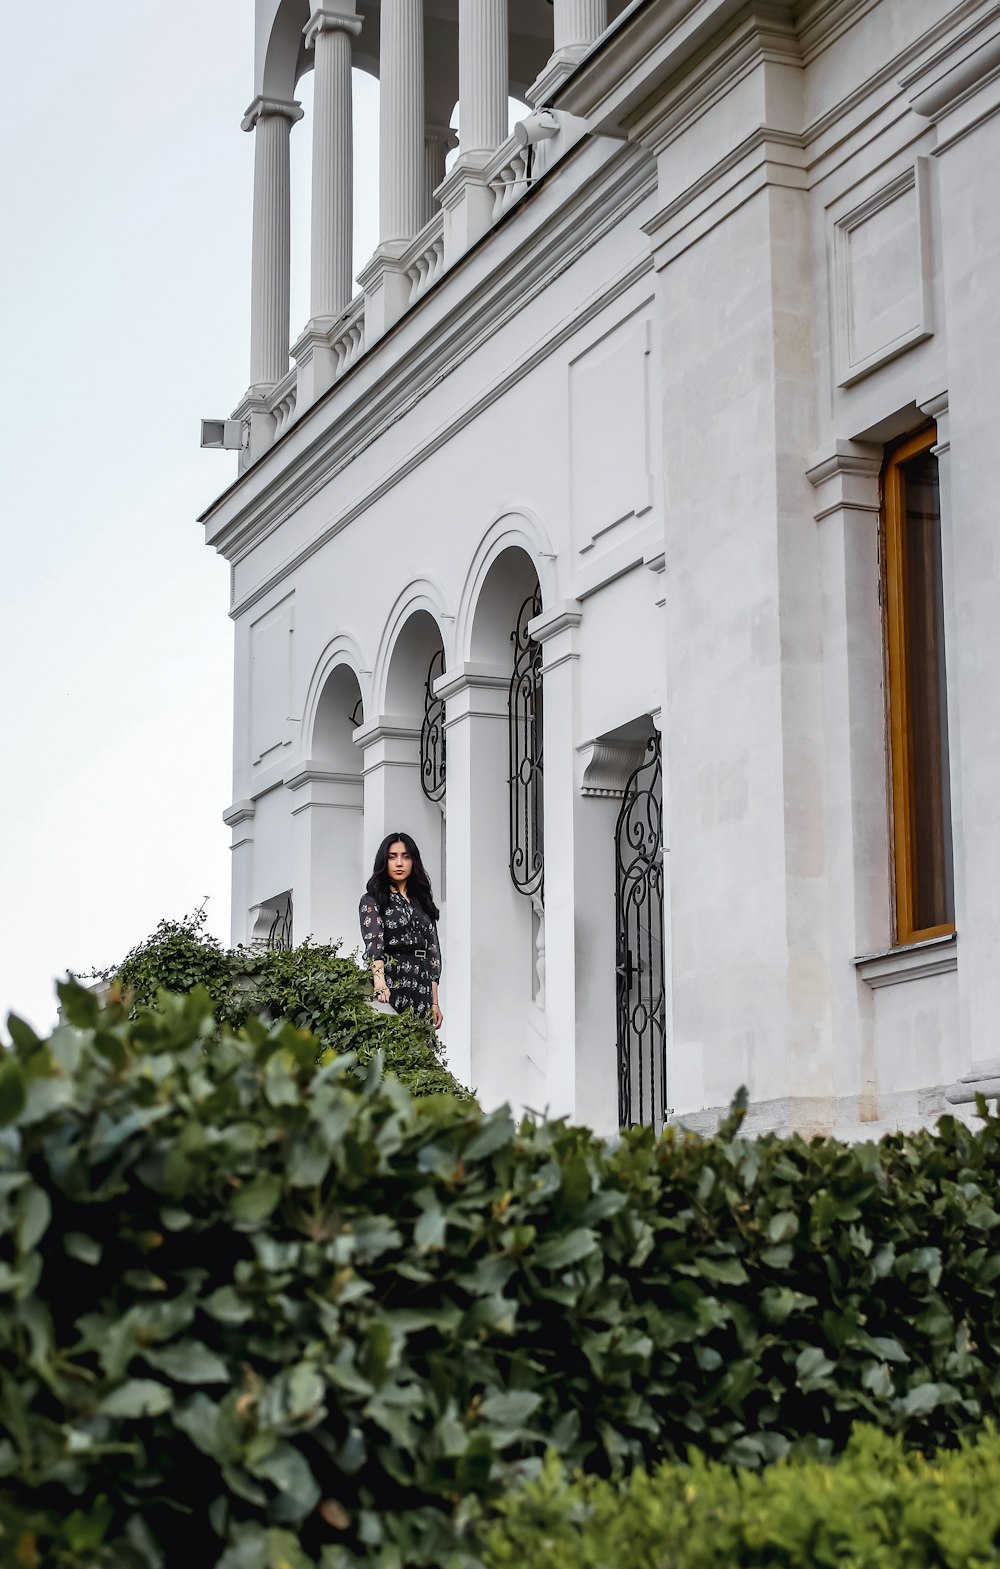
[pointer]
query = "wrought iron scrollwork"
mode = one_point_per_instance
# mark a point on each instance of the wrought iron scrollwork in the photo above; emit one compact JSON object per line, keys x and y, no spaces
{"x":433,"y":759}
{"x":527,"y":854}
{"x":280,"y":933}
{"x":640,"y":990}
{"x":357,"y":714}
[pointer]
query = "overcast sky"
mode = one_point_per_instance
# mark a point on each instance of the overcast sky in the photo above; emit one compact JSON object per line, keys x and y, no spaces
{"x":125,"y":273}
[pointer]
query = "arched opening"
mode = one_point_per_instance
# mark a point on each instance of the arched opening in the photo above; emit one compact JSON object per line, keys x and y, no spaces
{"x":413,"y":710}
{"x":328,"y":817}
{"x":494,"y":828}
{"x":338,"y":714}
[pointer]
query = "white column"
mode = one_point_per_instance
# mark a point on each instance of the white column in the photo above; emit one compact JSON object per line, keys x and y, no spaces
{"x":438,"y":142}
{"x":579,"y":22}
{"x":489,"y":955}
{"x":401,"y":119}
{"x":482,"y":74}
{"x":577,"y":26}
{"x":466,"y":197}
{"x":555,"y":629}
{"x":329,"y":33}
{"x":271,"y":120}
{"x":329,"y":876}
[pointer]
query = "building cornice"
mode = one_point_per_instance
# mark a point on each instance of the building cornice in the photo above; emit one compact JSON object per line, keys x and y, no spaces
{"x":378,"y":391}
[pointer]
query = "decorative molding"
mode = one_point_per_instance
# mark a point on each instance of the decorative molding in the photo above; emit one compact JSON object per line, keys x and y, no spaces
{"x":262,"y":108}
{"x":330,"y":435}
{"x":887,"y":75}
{"x":305,"y":479}
{"x":470,"y":677}
{"x":609,"y":765}
{"x":845,"y":479}
{"x":917,"y":961}
{"x":310,"y":771}
{"x":950,"y":76}
{"x":767,"y":157}
{"x":562,"y":617}
{"x":240,"y":812}
{"x":327,"y":17}
{"x":854,"y":362}
{"x":386,"y":727}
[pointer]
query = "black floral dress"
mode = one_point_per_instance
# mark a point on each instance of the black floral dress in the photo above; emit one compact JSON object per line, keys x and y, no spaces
{"x":406,"y":939}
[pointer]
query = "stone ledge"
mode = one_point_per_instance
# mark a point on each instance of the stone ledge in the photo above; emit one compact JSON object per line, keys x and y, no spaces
{"x":914,"y":962}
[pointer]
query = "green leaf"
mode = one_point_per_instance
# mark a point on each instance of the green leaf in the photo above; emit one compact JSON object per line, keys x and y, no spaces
{"x":726,"y":1271}
{"x":13,"y":1094}
{"x":189,"y":1362}
{"x":812,"y":1369}
{"x":34,"y":1215}
{"x":510,"y":1408}
{"x":256,"y":1200}
{"x":82,"y":1247}
{"x":495,"y":1131}
{"x":565,"y":1250}
{"x":782,"y":1227}
{"x":927,"y":1397}
{"x":138,"y":1397}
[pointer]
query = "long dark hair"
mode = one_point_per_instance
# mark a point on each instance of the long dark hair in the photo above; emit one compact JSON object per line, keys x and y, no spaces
{"x":419,"y":884}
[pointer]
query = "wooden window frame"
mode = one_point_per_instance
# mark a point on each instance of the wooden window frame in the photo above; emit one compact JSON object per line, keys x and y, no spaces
{"x":898,"y":715}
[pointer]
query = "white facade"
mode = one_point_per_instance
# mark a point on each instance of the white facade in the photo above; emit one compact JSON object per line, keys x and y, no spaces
{"x":652,"y":373}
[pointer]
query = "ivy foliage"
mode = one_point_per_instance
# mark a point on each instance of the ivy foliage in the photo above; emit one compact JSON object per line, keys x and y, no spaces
{"x":876,"y":1507}
{"x":313,"y":985}
{"x":255,"y":1310}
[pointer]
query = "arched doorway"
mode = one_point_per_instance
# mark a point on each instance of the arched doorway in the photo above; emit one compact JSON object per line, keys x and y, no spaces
{"x":496,"y":838}
{"x":327,"y":792}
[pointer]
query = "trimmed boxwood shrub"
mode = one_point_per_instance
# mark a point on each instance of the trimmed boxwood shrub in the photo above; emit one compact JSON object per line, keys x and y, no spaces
{"x":876,"y":1507}
{"x":312,"y":985}
{"x":258,"y":1311}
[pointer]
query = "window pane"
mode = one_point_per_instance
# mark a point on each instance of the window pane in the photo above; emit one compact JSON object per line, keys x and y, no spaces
{"x":930,"y":823}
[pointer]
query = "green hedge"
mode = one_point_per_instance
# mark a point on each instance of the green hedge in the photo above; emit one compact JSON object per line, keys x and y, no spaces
{"x":242,"y":1295}
{"x":312,"y":985}
{"x":874,"y":1508}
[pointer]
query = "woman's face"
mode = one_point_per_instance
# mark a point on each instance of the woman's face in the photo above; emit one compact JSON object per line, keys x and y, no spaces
{"x":400,"y":862}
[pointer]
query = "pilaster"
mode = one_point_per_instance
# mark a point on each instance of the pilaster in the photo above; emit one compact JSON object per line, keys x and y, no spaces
{"x":557,"y":629}
{"x":327,"y":816}
{"x":239,"y":818}
{"x":957,"y":88}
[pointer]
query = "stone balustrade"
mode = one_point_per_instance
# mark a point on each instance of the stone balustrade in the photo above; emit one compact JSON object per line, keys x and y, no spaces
{"x":425,"y":258}
{"x":489,"y":176}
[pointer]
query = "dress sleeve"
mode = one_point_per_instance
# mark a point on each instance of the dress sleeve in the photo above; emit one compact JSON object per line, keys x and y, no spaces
{"x":434,"y":954}
{"x":372,"y":930}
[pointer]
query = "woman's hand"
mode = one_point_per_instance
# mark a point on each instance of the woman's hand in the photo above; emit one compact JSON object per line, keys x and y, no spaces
{"x":378,"y":981}
{"x":381,"y":992}
{"x":437,"y":1017}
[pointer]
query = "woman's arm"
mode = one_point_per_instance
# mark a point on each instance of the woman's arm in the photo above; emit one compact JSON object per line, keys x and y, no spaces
{"x":434,"y":964}
{"x":373,"y":936}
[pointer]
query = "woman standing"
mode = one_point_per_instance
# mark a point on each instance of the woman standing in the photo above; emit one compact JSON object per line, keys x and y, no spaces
{"x":399,"y":928}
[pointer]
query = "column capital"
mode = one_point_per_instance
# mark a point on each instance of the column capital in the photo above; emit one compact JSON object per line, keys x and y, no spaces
{"x":265,"y":108}
{"x":445,"y":134}
{"x":331,"y":16}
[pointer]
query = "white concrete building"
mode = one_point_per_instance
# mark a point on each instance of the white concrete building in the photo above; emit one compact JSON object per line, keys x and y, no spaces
{"x":668,"y":424}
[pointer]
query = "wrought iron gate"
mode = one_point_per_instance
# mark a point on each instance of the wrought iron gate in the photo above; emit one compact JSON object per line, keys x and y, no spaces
{"x":527,"y":847}
{"x":433,"y":746}
{"x":641,"y":1002}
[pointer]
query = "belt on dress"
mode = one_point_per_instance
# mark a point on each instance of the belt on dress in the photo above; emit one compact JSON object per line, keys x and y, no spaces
{"x":420,"y":953}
